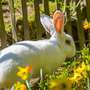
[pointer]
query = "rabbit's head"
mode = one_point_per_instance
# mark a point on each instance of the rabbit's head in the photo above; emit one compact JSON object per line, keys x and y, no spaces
{"x":55,"y":27}
{"x":64,"y":40}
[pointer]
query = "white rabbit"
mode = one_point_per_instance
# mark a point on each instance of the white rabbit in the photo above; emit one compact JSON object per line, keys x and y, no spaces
{"x":46,"y":54}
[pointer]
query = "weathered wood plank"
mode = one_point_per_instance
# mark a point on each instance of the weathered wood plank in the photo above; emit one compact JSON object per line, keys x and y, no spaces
{"x":25,"y":19}
{"x":3,"y":35}
{"x":88,"y":16}
{"x":46,"y":6}
{"x":13,"y":21}
{"x":81,"y":36}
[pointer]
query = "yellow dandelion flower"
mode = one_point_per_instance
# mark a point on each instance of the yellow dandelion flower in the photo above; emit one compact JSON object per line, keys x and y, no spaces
{"x":24,"y":72}
{"x":63,"y":84}
{"x":19,"y":86}
{"x":81,"y":70}
{"x":79,"y":73}
{"x":23,"y":87}
{"x":76,"y":77}
{"x":86,"y":25}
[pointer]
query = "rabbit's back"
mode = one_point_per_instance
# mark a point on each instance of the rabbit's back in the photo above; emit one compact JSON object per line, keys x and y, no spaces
{"x":40,"y":54}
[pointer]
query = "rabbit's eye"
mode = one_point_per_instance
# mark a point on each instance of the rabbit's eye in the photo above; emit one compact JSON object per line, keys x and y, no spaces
{"x":67,"y":41}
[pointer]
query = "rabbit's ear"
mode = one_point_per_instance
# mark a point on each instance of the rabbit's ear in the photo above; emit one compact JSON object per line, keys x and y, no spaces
{"x":58,"y":20}
{"x":47,"y":23}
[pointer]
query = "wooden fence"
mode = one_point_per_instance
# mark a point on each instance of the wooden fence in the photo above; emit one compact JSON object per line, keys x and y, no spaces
{"x":73,"y":26}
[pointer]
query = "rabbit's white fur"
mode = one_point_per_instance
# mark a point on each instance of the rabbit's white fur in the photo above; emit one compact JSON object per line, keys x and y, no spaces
{"x":45,"y":54}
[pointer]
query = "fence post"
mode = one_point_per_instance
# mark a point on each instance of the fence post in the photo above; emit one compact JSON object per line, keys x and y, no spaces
{"x":3,"y":34}
{"x":25,"y":20}
{"x":37,"y":19}
{"x":46,"y":6}
{"x":57,"y":4}
{"x":80,"y":30}
{"x":68,"y":25}
{"x":88,"y":17}
{"x":13,"y":21}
